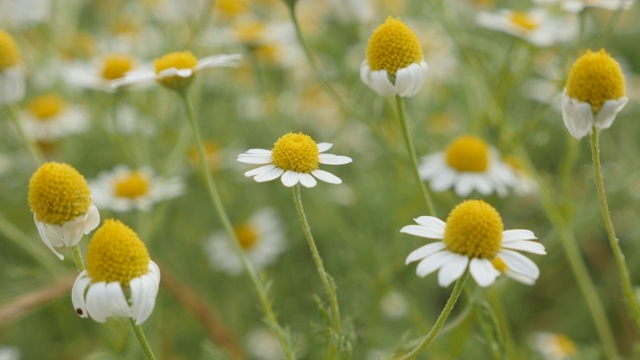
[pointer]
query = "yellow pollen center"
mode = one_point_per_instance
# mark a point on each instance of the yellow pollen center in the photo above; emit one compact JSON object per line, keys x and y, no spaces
{"x":523,"y":20}
{"x":132,"y":185}
{"x":297,"y":152}
{"x":231,"y":7}
{"x":247,"y":236}
{"x":393,"y":46}
{"x":46,"y":106}
{"x":249,"y":33}
{"x":474,"y":229}
{"x":116,"y":65}
{"x":58,"y":193}
{"x":9,"y":53}
{"x":500,"y":265}
{"x":468,"y":153}
{"x":116,"y":253}
{"x":177,"y":60}
{"x":595,"y":78}
{"x":566,"y":345}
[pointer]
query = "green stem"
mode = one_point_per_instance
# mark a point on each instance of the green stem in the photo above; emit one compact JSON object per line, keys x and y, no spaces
{"x":77,"y":257}
{"x":260,"y":287}
{"x":142,"y":339}
{"x":457,"y":289}
{"x":627,"y":287}
{"x":412,"y":156}
{"x":325,"y":278}
{"x":28,"y":141}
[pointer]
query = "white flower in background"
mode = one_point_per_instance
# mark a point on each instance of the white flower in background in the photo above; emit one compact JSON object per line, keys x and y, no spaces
{"x":123,"y":189}
{"x":120,"y":279}
{"x":263,"y":344}
{"x":356,"y":11}
{"x":536,"y":26}
{"x":129,"y":121}
{"x":12,"y":83}
{"x":466,"y":165}
{"x":49,"y":117}
{"x":576,"y":6}
{"x":473,"y":238}
{"x":554,"y":346}
{"x":22,"y":13}
{"x":394,"y":305}
{"x":98,"y":74}
{"x":261,"y":237}
{"x":177,"y":11}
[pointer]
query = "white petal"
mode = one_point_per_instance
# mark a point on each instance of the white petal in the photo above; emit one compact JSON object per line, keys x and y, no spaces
{"x":257,"y":152}
{"x":424,"y":251}
{"x":433,"y":262}
{"x":483,"y":272}
{"x":324,"y":146}
{"x":444,"y":180}
{"x":608,"y":113}
{"x":92,"y":220}
{"x":409,"y":80}
{"x":307,"y":180}
{"x":269,"y":175}
{"x":517,"y":234}
{"x":133,"y":78}
{"x":118,"y":305}
{"x":97,"y":302}
{"x":419,"y":230}
{"x":290,"y":178}
{"x":431,"y":223}
{"x":452,"y":270}
{"x":218,"y":60}
{"x":523,"y":245}
{"x":464,"y":185}
{"x":330,"y":159}
{"x":78,"y":293}
{"x":144,"y":290}
{"x":380,"y":83}
{"x":519,"y":263}
{"x":326,"y":176}
{"x":520,"y":278}
{"x":577,"y":116}
{"x":260,"y":170}
{"x":44,"y":235}
{"x":254,"y":159}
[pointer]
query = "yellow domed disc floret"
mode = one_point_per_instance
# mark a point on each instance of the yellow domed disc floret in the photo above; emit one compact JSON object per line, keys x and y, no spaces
{"x":132,"y":186}
{"x":116,"y":65}
{"x":523,"y":20}
{"x":247,"y":236}
{"x":595,"y":78}
{"x":468,"y":153}
{"x":393,"y":46}
{"x":474,"y":229}
{"x":176,"y":60}
{"x":46,"y":106}
{"x":297,"y":152}
{"x":58,"y":193}
{"x":116,"y":253}
{"x":9,"y":53}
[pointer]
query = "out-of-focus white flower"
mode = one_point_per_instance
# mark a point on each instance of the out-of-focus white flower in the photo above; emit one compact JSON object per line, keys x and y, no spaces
{"x":22,"y":13}
{"x":49,"y":117}
{"x":9,"y":353}
{"x":98,"y":73}
{"x":263,"y":344}
{"x":12,"y":83}
{"x":394,"y":305}
{"x":576,"y":6}
{"x":554,"y":346}
{"x":537,"y":26}
{"x":358,"y":11}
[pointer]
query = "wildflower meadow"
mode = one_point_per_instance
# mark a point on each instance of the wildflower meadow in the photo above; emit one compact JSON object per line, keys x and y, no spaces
{"x":319,"y":179}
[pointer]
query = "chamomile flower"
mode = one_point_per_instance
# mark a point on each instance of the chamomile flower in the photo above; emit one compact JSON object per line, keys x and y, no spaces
{"x":466,"y":165}
{"x":594,"y":94}
{"x":175,"y":70}
{"x":473,"y":237}
{"x":60,"y":200}
{"x":261,"y":237}
{"x":295,"y":158}
{"x":120,"y":279}
{"x":554,"y":346}
{"x":536,"y":26}
{"x":576,"y":6}
{"x":49,"y":117}
{"x":22,"y":13}
{"x":98,"y":73}
{"x":394,"y":63}
{"x":12,"y":84}
{"x":123,"y":189}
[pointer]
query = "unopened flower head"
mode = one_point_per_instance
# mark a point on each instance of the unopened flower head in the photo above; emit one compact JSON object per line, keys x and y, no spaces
{"x":594,"y":94}
{"x":49,"y":117}
{"x":118,"y":263}
{"x":467,"y":164}
{"x":295,"y":158}
{"x":12,"y":84}
{"x":60,"y":200}
{"x":394,"y":63}
{"x":473,"y":237}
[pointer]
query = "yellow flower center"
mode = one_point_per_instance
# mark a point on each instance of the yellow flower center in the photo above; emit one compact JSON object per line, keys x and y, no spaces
{"x":116,"y":65}
{"x":247,"y":236}
{"x":177,"y":60}
{"x":249,"y":33}
{"x":297,"y":152}
{"x":474,"y":229}
{"x":468,"y":153}
{"x":500,"y":265}
{"x":132,"y":185}
{"x":595,"y":78}
{"x":58,"y":193}
{"x":566,"y":345}
{"x":46,"y":106}
{"x":9,"y":53}
{"x":393,"y":46}
{"x":523,"y":20}
{"x":231,"y":7}
{"x":116,"y":253}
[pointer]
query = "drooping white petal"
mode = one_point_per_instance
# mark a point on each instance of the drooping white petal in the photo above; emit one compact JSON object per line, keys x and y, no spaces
{"x":269,"y":175}
{"x":433,"y":262}
{"x":519,"y":263}
{"x":608,"y":112}
{"x":134,"y":77}
{"x":419,"y":230}
{"x":118,"y":305}
{"x":44,"y":235}
{"x":330,"y":159}
{"x":452,"y":270}
{"x":326,"y":176}
{"x":218,"y":61}
{"x":307,"y":180}
{"x":97,"y":302}
{"x":524,"y":245}
{"x":380,"y":83}
{"x":290,"y":178}
{"x":78,"y":293}
{"x":577,"y":116}
{"x":483,"y":271}
{"x":144,"y":290}
{"x":259,"y":170}
{"x":424,"y":251}
{"x":324,"y":146}
{"x":517,"y":234}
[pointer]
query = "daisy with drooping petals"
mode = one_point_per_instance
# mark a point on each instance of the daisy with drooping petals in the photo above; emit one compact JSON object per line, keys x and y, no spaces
{"x":60,"y":200}
{"x":123,"y":189}
{"x":12,"y":84}
{"x":473,"y":237}
{"x":120,"y":279}
{"x":175,"y":70}
{"x":594,"y":94}
{"x":467,"y":164}
{"x":294,"y":159}
{"x":554,"y":346}
{"x":261,"y":238}
{"x":98,"y":74}
{"x":394,"y":63}
{"x":49,"y":117}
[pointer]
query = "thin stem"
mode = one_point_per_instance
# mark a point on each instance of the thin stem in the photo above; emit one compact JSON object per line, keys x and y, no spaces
{"x":142,"y":339}
{"x":627,"y":287}
{"x":325,"y":278}
{"x":77,"y":257}
{"x":412,"y":156}
{"x":28,"y":141}
{"x":260,"y":287}
{"x":457,"y":290}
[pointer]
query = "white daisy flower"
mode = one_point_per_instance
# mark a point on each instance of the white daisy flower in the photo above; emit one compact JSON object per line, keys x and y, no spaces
{"x":261,"y":237}
{"x":466,"y":165}
{"x":120,"y":279}
{"x":472,"y":238}
{"x":294,"y":159}
{"x":576,"y":6}
{"x":536,"y":26}
{"x":394,"y":63}
{"x":123,"y":189}
{"x":99,"y":73}
{"x":554,"y":346}
{"x":60,"y":200}
{"x":49,"y":117}
{"x":22,"y":13}
{"x":263,"y":344}
{"x":12,"y":83}
{"x":175,"y":70}
{"x":594,"y":94}
{"x":394,"y":305}
{"x":9,"y":353}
